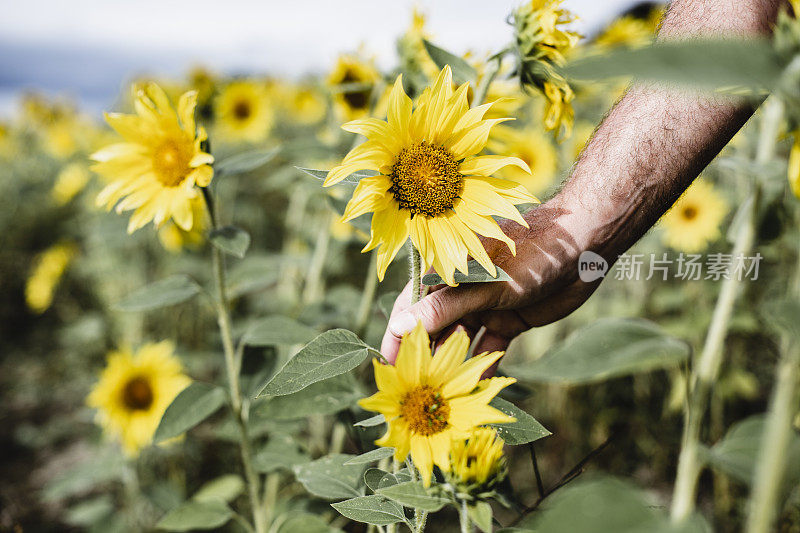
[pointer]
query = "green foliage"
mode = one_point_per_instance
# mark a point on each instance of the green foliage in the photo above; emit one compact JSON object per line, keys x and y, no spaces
{"x":194,"y":404}
{"x":481,"y":515}
{"x":170,"y":291}
{"x":332,"y":353}
{"x":713,"y":64}
{"x":278,"y":329}
{"x":224,"y":488}
{"x":524,"y":430}
{"x":322,"y":398}
{"x":231,"y":240}
{"x":244,"y":162}
{"x":462,"y":71}
{"x":371,"y":510}
{"x":413,"y":494}
{"x":605,"y":349}
{"x":196,"y":515}
{"x":355,"y":177}
{"x":329,"y":478}
{"x":475,"y":274}
{"x":371,"y":456}
{"x":281,"y":452}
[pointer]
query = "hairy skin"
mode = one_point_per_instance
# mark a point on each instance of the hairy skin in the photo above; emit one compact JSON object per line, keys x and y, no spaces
{"x":646,"y":152}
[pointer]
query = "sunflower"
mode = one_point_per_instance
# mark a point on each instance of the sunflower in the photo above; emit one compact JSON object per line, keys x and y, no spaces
{"x":243,"y":112}
{"x":157,"y":167}
{"x":353,"y":102}
{"x":430,"y":400}
{"x":70,"y":181}
{"x":432,"y":186}
{"x":627,"y":31}
{"x":411,"y":48}
{"x":305,"y":103}
{"x":794,"y":165}
{"x":478,"y":463}
{"x":541,"y":33}
{"x":50,"y":267}
{"x":134,"y":390}
{"x":693,"y":222}
{"x":534,"y":148}
{"x":175,"y":239}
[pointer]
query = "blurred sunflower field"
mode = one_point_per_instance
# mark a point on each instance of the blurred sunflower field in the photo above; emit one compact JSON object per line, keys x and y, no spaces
{"x":195,"y":287}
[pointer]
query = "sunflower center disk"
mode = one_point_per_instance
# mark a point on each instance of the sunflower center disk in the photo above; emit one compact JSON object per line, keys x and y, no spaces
{"x":425,"y":410}
{"x":689,"y":212}
{"x":425,"y":179}
{"x":170,"y":164}
{"x":137,"y":395}
{"x":356,"y":99}
{"x":242,"y":110}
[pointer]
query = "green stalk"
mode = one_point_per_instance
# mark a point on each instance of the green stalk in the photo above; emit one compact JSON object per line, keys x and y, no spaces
{"x":483,"y":88}
{"x":367,"y":296}
{"x":313,"y":286}
{"x":224,"y":322}
{"x":771,"y":462}
{"x":710,"y":359}
{"x":415,"y":265}
{"x":463,"y":518}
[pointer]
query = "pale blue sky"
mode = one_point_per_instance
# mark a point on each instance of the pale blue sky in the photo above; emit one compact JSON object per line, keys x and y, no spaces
{"x":87,"y":48}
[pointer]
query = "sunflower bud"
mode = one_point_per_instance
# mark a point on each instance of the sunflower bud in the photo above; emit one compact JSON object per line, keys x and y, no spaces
{"x":477,"y":464}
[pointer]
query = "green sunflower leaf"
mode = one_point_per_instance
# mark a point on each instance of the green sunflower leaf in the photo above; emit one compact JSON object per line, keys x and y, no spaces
{"x":355,"y":177}
{"x":371,"y":456}
{"x":224,"y":488}
{"x":372,"y":421}
{"x":231,"y":240}
{"x":328,"y":477}
{"x":481,"y":515}
{"x":323,"y":398}
{"x":414,"y":494}
{"x":475,"y":274}
{"x":194,"y":404}
{"x":196,"y":515}
{"x":462,"y":71}
{"x":708,"y":63}
{"x":169,"y":291}
{"x":526,"y":429}
{"x":330,"y":354}
{"x":608,"y":348}
{"x":244,"y":162}
{"x":276,"y":330}
{"x":281,"y":452}
{"x":371,"y":510}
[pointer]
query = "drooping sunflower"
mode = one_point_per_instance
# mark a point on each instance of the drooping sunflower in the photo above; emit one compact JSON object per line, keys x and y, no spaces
{"x":694,"y":221}
{"x":353,"y":82}
{"x":49,"y":268}
{"x":432,"y":186}
{"x":534,"y":148}
{"x":430,"y":400}
{"x":243,"y":112}
{"x":134,"y":390}
{"x":477,"y":464}
{"x":627,"y":31}
{"x":157,"y":167}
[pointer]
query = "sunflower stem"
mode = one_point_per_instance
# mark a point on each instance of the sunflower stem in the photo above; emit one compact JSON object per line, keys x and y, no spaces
{"x":483,"y":87}
{"x":367,"y":296}
{"x":463,"y":516}
{"x":415,"y":265}
{"x":224,"y":322}
{"x":708,"y":363}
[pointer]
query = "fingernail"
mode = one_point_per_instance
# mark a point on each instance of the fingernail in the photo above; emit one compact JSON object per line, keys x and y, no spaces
{"x":402,"y":323}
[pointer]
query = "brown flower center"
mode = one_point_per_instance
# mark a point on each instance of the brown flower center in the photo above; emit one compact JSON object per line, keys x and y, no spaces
{"x":425,"y":179}
{"x":170,"y":163}
{"x":689,"y":212}
{"x":425,"y":410}
{"x":137,"y":395}
{"x":355,"y":99}
{"x":242,"y":110}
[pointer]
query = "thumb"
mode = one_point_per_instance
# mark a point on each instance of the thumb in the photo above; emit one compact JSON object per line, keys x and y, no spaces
{"x":440,"y":309}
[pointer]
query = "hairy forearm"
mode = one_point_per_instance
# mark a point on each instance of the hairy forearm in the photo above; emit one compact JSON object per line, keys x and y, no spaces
{"x":657,"y":140}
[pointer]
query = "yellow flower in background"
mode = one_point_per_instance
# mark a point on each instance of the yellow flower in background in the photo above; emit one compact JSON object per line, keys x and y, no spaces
{"x":411,"y":48}
{"x":694,"y":221}
{"x":432,"y":184}
{"x":49,"y":268}
{"x":794,"y":165}
{"x":134,"y":390}
{"x":627,"y":31}
{"x":244,"y":112}
{"x":559,"y":114}
{"x":541,"y":33}
{"x":70,"y":181}
{"x":157,"y":167}
{"x":175,"y":239}
{"x":362,"y":77}
{"x":305,"y":103}
{"x":534,"y":148}
{"x":478,"y":462}
{"x":429,"y":401}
